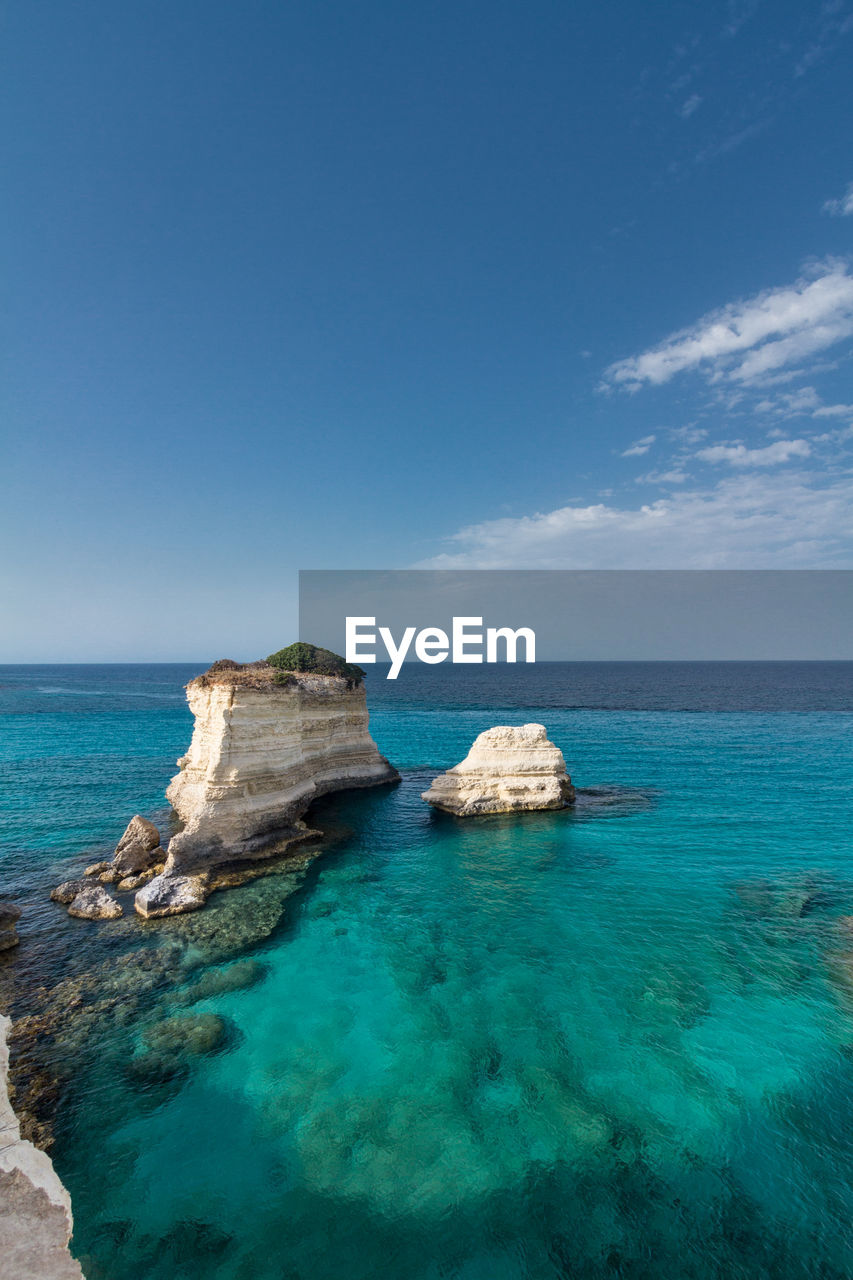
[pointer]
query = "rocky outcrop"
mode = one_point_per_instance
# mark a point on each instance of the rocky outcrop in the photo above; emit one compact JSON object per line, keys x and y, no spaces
{"x":87,"y":900}
{"x":92,"y":902}
{"x":68,"y":890}
{"x":138,"y":850}
{"x":507,"y":769}
{"x":172,"y":895}
{"x":263,"y":747}
{"x":9,"y":917}
{"x":259,"y":756}
{"x":35,"y":1208}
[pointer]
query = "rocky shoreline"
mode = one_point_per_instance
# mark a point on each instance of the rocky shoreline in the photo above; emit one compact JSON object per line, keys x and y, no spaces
{"x":265,"y":744}
{"x":35,"y":1208}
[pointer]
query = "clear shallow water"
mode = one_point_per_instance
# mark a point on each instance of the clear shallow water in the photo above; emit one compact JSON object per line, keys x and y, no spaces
{"x":601,"y":1043}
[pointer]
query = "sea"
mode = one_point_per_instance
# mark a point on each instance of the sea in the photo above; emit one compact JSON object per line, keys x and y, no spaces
{"x":611,"y":1041}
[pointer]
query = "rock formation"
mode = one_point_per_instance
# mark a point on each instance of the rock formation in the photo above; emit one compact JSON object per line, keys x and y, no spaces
{"x":9,"y":917}
{"x":35,"y":1208}
{"x":507,"y":769}
{"x":172,"y":895}
{"x":138,"y":850}
{"x":264,"y":746}
{"x":92,"y":902}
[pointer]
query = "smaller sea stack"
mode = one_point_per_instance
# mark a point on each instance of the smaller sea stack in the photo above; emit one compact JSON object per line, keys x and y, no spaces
{"x":508,"y":769}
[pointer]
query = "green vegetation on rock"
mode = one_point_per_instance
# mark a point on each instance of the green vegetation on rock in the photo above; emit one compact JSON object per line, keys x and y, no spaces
{"x":311,"y":659}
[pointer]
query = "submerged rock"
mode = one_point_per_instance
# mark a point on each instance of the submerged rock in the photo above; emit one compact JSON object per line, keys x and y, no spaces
{"x":138,"y":849}
{"x":94,"y":903}
{"x":170,"y":895}
{"x":187,"y":1033}
{"x":245,"y":973}
{"x":507,"y":769}
{"x":9,"y":916}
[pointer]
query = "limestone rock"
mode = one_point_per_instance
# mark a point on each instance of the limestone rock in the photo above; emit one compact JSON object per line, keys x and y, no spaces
{"x":135,"y":851}
{"x":94,"y":903}
{"x":260,"y":753}
{"x":171,"y":895}
{"x":507,"y":769}
{"x":9,"y":916}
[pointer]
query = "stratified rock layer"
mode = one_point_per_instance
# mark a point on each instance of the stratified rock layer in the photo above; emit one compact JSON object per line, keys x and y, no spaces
{"x":260,"y":753}
{"x":507,"y":769}
{"x":35,"y":1208}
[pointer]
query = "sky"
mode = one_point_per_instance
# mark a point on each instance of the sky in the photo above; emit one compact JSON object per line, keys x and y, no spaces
{"x":506,"y":285}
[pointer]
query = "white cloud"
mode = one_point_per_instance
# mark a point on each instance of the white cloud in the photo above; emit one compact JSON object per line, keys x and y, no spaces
{"x":689,"y":106}
{"x":639,"y":447}
{"x":792,"y":404}
{"x":843,"y":207}
{"x":746,"y":341}
{"x":737,"y":455}
{"x":674,"y":476}
{"x":834,"y":411}
{"x":689,"y":434}
{"x":787,"y":520}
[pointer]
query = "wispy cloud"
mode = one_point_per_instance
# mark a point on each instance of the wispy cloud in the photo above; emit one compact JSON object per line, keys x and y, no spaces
{"x":689,"y":106}
{"x":785,"y":520}
{"x":675,"y":475}
{"x":737,"y":455}
{"x":639,"y":447}
{"x":834,"y":411}
{"x":792,"y":404}
{"x":836,"y":22}
{"x":843,"y":206}
{"x":748,"y":340}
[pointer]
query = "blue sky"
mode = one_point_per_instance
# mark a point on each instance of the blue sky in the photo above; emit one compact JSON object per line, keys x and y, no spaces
{"x":325,"y":285}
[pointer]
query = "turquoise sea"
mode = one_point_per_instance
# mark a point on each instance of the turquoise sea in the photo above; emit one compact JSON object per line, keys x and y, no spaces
{"x":616,"y":1041}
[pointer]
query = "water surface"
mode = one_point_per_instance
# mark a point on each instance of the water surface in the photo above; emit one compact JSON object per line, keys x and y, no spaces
{"x":608,"y":1042}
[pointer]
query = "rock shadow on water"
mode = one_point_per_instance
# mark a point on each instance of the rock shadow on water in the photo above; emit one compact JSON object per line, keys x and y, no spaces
{"x":612,"y":800}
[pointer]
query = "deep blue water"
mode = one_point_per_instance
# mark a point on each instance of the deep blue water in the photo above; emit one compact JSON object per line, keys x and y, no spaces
{"x":610,"y":1042}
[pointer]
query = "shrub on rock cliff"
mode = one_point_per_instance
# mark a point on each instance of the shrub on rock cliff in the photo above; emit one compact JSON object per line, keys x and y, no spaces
{"x":311,"y":659}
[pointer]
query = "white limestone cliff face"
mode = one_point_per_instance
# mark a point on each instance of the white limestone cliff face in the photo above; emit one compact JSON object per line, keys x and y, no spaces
{"x":507,"y":769}
{"x":35,"y":1208}
{"x":260,"y":753}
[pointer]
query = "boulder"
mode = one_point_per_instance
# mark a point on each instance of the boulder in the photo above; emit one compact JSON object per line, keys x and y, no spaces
{"x":509,"y":768}
{"x":138,"y":849}
{"x":129,"y":883}
{"x":9,"y":916}
{"x":97,"y":868}
{"x":171,"y":895}
{"x":68,"y":890}
{"x":94,"y":903}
